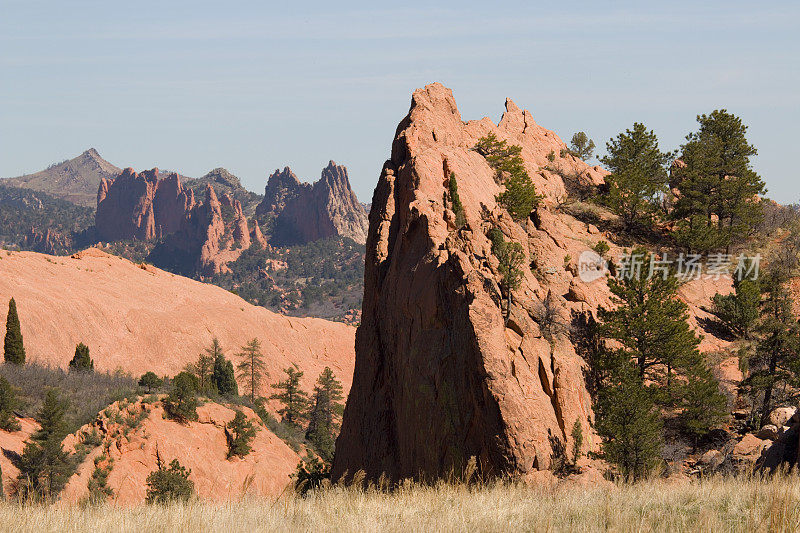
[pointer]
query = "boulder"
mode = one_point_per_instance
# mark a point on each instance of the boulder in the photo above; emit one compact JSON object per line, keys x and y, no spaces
{"x":769,"y":431}
{"x":779,"y":416}
{"x":711,"y":459}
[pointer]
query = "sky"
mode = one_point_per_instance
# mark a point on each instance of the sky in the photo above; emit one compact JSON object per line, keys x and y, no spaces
{"x":255,"y":86}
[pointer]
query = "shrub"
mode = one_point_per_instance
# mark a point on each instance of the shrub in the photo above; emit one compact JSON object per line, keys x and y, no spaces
{"x":81,"y":362}
{"x":602,"y":248}
{"x":458,"y":207}
{"x":310,"y":475}
{"x":181,"y":404}
{"x":240,"y":433}
{"x":151,"y":381}
{"x":520,"y":196}
{"x":8,"y":403}
{"x":167,"y":485}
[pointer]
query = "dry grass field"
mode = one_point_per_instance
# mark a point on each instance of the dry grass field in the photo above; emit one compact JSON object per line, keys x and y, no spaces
{"x":718,"y":505}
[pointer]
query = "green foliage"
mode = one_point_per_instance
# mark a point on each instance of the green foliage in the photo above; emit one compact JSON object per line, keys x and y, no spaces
{"x":581,"y":146}
{"x":81,"y":362}
{"x":519,"y":197}
{"x":702,"y":406}
{"x":602,"y":248}
{"x":169,"y":484}
{"x":203,"y":369}
{"x":511,"y":257}
{"x":44,"y":466}
{"x":627,"y":419}
{"x":638,"y":176}
{"x":151,"y":381}
{"x":224,"y":377}
{"x":294,"y":400}
{"x":718,"y":188}
{"x":310,"y":475}
{"x":326,"y":411}
{"x":8,"y":403}
{"x":13,"y":347}
{"x":99,"y":491}
{"x":458,"y":207}
{"x":738,"y":311}
{"x":239,"y":433}
{"x":577,"y":441}
{"x":649,"y":326}
{"x":181,"y":404}
{"x":774,"y":364}
{"x":251,"y":368}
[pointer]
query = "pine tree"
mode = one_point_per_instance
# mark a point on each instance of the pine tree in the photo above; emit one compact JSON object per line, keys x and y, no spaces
{"x":13,"y":347}
{"x":774,"y":365}
{"x":738,"y":311}
{"x":169,"y":484}
{"x":151,"y":381}
{"x":8,"y":403}
{"x":82,"y":362}
{"x":628,"y":420}
{"x":519,"y":197}
{"x":638,"y":176}
{"x":44,"y":466}
{"x":581,"y":146}
{"x":325,"y":413}
{"x":240,"y":433}
{"x":510,"y":257}
{"x":718,"y":203}
{"x":252,"y":368}
{"x":204,"y":367}
{"x":702,"y":406}
{"x":455,"y":199}
{"x":649,"y":321}
{"x":295,"y":401}
{"x":181,"y":404}
{"x":224,"y":377}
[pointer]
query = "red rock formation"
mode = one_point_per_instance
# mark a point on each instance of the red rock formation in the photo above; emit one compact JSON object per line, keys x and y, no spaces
{"x":440,"y":375}
{"x":257,"y":237}
{"x":241,"y":233}
{"x":303,"y":212}
{"x":141,"y":206}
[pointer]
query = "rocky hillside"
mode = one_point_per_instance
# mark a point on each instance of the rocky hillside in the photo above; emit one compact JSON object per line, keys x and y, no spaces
{"x":441,"y":374}
{"x":75,"y":180}
{"x":299,"y":212}
{"x":138,"y":318}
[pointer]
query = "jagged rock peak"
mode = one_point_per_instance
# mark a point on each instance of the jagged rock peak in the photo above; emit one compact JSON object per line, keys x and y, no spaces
{"x":497,"y":388}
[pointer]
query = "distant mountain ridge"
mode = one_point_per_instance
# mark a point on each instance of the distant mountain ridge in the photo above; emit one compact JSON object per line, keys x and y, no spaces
{"x":75,"y":180}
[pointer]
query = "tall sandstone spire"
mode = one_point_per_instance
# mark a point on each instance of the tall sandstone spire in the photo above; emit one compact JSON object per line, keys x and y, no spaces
{"x":440,"y":375}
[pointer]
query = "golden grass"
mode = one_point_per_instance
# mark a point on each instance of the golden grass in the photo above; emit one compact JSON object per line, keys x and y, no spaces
{"x":718,"y":505}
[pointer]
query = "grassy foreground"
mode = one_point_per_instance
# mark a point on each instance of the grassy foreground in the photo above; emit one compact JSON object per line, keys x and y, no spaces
{"x":713,"y":505}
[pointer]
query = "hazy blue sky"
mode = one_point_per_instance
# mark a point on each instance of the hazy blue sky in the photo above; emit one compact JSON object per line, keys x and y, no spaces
{"x":249,"y":86}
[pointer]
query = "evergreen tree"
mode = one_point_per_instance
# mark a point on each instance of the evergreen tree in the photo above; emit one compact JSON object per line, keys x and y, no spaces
{"x":151,"y":381}
{"x":326,"y":410}
{"x":13,"y":347}
{"x":519,"y":197}
{"x":240,"y":433}
{"x":702,"y":406}
{"x":169,"y":484}
{"x":82,"y":362}
{"x":181,"y":404}
{"x":717,"y":204}
{"x":774,"y":365}
{"x":627,"y":419}
{"x":224,"y":377}
{"x":8,"y":403}
{"x":638,"y":176}
{"x":581,"y":146}
{"x":203,"y":369}
{"x":295,"y":401}
{"x":738,"y":311}
{"x":252,"y":368}
{"x":455,"y":199}
{"x":510,"y":257}
{"x":44,"y":466}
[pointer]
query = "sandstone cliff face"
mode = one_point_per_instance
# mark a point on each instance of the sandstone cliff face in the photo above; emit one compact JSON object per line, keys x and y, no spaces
{"x":440,"y":377}
{"x":301,"y":212}
{"x":141,"y":206}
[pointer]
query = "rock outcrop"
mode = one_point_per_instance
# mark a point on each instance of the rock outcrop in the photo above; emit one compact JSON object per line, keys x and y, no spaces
{"x":302,"y":212}
{"x":141,"y":206}
{"x":441,"y":375}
